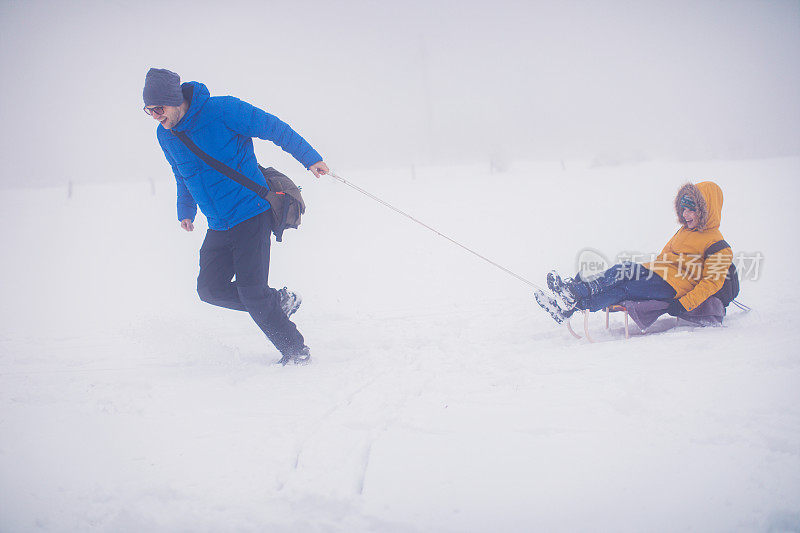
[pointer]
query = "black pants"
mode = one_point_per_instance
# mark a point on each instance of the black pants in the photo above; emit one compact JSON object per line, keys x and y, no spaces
{"x":243,"y":252}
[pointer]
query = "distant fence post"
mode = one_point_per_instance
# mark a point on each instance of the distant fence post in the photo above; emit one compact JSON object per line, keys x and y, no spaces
{"x":69,"y":189}
{"x":152,"y":187}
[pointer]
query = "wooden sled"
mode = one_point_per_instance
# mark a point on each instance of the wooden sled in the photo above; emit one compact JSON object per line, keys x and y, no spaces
{"x":608,"y":310}
{"x":645,"y":313}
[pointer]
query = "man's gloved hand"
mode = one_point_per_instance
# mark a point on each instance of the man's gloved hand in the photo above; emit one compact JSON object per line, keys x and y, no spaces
{"x":676,"y":308}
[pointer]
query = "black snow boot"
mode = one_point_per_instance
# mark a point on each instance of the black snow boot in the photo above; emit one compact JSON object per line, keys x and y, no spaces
{"x":550,"y":304}
{"x":303,"y":357}
{"x":290,"y":301}
{"x":568,"y":291}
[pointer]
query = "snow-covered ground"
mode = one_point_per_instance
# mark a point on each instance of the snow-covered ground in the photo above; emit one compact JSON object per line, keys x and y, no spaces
{"x":440,"y":398}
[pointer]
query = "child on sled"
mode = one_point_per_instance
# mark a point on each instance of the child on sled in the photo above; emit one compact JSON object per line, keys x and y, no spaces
{"x":691,"y":268}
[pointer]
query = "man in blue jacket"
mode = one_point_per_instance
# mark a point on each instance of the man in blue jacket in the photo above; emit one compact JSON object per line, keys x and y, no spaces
{"x":239,"y":225}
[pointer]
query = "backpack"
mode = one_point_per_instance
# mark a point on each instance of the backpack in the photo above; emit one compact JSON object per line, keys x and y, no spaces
{"x":283,"y":195}
{"x":730,"y":287}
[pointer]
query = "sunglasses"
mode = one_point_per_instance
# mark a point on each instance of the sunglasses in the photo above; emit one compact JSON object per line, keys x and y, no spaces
{"x":156,"y":110}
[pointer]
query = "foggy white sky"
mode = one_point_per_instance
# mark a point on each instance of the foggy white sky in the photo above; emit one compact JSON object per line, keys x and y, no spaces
{"x":392,"y":84}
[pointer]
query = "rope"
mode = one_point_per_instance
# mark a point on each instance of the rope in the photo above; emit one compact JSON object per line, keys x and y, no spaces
{"x":437,"y":232}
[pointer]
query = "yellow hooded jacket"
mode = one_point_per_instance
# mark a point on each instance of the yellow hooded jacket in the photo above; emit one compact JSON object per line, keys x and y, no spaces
{"x":682,"y":262}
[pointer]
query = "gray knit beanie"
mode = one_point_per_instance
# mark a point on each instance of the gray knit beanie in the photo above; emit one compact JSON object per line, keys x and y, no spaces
{"x":162,"y":87}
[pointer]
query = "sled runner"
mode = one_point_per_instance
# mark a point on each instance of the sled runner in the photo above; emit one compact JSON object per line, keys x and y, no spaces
{"x":608,"y":310}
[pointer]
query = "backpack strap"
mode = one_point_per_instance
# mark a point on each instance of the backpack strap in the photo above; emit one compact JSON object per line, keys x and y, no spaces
{"x":716,"y":247}
{"x":221,"y":167}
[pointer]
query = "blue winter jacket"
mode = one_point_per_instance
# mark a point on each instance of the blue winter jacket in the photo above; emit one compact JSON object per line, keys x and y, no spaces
{"x":223,"y":127}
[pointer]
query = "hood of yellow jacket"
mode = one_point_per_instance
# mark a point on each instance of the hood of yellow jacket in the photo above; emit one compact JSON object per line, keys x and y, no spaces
{"x":707,"y":196}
